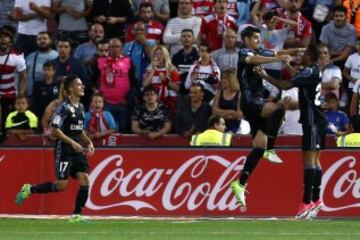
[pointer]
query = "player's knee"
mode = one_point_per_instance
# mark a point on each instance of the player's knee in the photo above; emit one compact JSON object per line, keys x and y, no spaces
{"x":83,"y":180}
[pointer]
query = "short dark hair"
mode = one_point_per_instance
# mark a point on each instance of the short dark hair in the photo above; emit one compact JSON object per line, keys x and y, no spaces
{"x":64,"y":39}
{"x":187,"y":30}
{"x":102,"y":41}
{"x":269,"y":15}
{"x":44,"y":32}
{"x":340,"y":8}
{"x":355,"y":122}
{"x":330,"y":96}
{"x":146,"y":5}
{"x":207,"y":45}
{"x":22,"y":96}
{"x":248,"y":32}
{"x":214,"y":119}
{"x":313,"y":52}
{"x":49,"y":64}
{"x":97,"y":94}
{"x":68,"y":80}
{"x":149,"y":88}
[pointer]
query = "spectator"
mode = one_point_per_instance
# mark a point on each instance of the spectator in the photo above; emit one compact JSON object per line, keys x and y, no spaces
{"x":192,"y":113}
{"x":353,"y":13}
{"x":339,"y":122}
{"x":161,"y":8}
{"x":232,"y":8}
{"x":163,"y":75}
{"x":11,"y":63}
{"x":340,"y":36}
{"x":227,"y":100}
{"x":352,"y":139}
{"x":154,"y":29}
{"x":45,"y":91}
{"x":117,"y":78}
{"x":213,"y":26}
{"x":113,"y":15}
{"x":21,"y":121}
{"x":66,"y":65}
{"x":331,"y":74}
{"x":185,"y":57}
{"x":152,"y":119}
{"x":352,"y":72}
{"x":32,"y":16}
{"x":72,"y":19}
{"x":202,"y":8}
{"x":355,"y":100}
{"x":35,"y":61}
{"x":6,"y":7}
{"x":244,"y":9}
{"x":228,"y":55}
{"x":102,"y":50}
{"x":98,"y":123}
{"x":214,"y":135}
{"x":174,"y":27}
{"x":139,"y":51}
{"x":205,"y":72}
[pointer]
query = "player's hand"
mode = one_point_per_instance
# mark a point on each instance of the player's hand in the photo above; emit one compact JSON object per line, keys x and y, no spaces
{"x":33,"y":6}
{"x":91,"y":150}
{"x":76,"y":146}
{"x":259,"y":70}
{"x":283,"y":58}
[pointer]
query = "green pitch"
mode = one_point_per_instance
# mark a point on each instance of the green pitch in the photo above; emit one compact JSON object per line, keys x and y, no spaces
{"x":26,"y":229}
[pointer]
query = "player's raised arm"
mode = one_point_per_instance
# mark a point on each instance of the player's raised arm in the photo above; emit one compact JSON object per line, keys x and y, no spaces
{"x":277,"y":82}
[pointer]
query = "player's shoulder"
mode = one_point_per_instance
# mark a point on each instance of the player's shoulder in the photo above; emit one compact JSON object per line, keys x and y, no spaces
{"x":244,"y":51}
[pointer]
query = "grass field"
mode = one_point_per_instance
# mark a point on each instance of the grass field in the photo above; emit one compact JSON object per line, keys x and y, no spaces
{"x":49,"y":229}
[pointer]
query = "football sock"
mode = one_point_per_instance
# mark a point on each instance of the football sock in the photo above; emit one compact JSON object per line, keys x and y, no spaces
{"x":44,"y":188}
{"x":273,"y":124}
{"x":251,"y":162}
{"x":317,"y":184}
{"x":81,"y":198}
{"x":309,"y":177}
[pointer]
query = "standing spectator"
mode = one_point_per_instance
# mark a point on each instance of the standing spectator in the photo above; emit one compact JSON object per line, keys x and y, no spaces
{"x":66,"y":65}
{"x":154,"y":29}
{"x":45,"y":91}
{"x":22,"y":121}
{"x":214,"y":25}
{"x":161,"y":8}
{"x":192,"y":113}
{"x":32,"y":16}
{"x":113,"y":15}
{"x":185,"y":57}
{"x":331,"y":74}
{"x":244,"y":9}
{"x":214,"y":136}
{"x":72,"y":22}
{"x":205,"y":72}
{"x":163,"y":75}
{"x":290,"y":102}
{"x":152,"y":119}
{"x":227,"y":100}
{"x":202,"y":8}
{"x":228,"y":55}
{"x":340,"y":36}
{"x":339,"y":122}
{"x":184,"y":20}
{"x":11,"y":63}
{"x":35,"y":61}
{"x":98,"y":123}
{"x":117,"y":77}
{"x":6,"y":7}
{"x":353,"y":13}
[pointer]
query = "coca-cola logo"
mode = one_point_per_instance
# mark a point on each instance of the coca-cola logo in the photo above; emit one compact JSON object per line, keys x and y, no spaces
{"x":186,"y":186}
{"x":341,"y":181}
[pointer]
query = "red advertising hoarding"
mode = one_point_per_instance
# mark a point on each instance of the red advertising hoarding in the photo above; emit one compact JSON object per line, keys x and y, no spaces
{"x":181,"y":182}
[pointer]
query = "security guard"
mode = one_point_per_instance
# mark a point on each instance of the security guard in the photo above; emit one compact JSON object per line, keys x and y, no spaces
{"x":214,"y":136}
{"x":352,"y":139}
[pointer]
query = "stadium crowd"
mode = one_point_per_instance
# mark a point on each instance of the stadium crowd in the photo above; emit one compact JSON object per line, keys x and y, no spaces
{"x":153,"y":67}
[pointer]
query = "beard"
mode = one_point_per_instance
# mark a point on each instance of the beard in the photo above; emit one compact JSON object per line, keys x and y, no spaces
{"x":43,"y":48}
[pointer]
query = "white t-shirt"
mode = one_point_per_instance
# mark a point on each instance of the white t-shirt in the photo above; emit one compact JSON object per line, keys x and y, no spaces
{"x":353,"y":63}
{"x":291,"y":124}
{"x":15,"y":63}
{"x":33,"y":26}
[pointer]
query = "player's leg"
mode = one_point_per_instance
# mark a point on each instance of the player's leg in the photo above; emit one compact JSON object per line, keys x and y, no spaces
{"x":274,"y":114}
{"x":252,"y":160}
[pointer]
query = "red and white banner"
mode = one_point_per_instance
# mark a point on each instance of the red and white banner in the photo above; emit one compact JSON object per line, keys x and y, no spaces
{"x":181,"y":182}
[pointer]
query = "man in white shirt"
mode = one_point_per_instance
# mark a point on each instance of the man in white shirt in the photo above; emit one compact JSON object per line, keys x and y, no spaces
{"x":32,"y":16}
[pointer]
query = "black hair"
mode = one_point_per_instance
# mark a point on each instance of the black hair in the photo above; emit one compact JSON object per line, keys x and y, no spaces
{"x":248,"y":32}
{"x":146,"y":5}
{"x":49,"y":64}
{"x":149,"y":88}
{"x":187,"y":30}
{"x":269,"y":15}
{"x":313,"y":52}
{"x":330,"y":96}
{"x":207,"y":45}
{"x":214,"y":119}
{"x":69,"y":79}
{"x":340,"y":8}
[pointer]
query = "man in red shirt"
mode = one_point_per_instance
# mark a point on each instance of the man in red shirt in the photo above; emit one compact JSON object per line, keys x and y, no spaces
{"x":202,"y":8}
{"x":213,"y":26}
{"x":154,"y":29}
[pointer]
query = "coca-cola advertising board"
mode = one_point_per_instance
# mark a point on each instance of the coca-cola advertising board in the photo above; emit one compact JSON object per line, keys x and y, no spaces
{"x":181,"y":182}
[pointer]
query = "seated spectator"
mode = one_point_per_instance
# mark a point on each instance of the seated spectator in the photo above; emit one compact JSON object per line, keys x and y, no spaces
{"x":22,"y":121}
{"x":355,"y":100}
{"x":228,"y":55}
{"x":205,"y":72}
{"x":50,"y":109}
{"x":98,"y":123}
{"x":46,"y":90}
{"x":227,"y":101}
{"x":163,"y":75}
{"x":152,"y":119}
{"x":214,"y":135}
{"x":339,"y":122}
{"x":331,"y":74}
{"x":192,"y":113}
{"x":185,"y":57}
{"x":352,"y":139}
